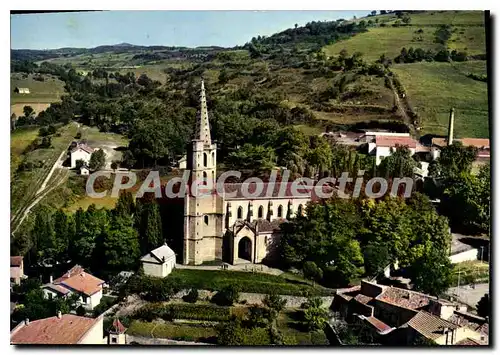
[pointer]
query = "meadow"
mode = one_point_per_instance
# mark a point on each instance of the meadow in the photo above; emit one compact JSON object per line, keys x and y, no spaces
{"x":434,"y":88}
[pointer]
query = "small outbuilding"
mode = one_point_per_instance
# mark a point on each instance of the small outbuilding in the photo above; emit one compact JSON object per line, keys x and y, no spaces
{"x":84,"y":169}
{"x":19,"y":90}
{"x":159,"y":262}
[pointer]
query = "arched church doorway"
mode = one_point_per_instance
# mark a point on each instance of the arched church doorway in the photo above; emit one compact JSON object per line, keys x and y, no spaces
{"x":245,"y":249}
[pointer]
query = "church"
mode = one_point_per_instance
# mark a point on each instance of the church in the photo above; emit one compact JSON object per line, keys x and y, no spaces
{"x":226,"y":225}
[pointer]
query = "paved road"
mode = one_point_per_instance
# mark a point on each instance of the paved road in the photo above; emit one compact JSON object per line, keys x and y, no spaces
{"x":470,"y":296}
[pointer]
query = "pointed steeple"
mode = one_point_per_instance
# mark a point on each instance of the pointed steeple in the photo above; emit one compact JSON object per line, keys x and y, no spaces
{"x":202,"y":125}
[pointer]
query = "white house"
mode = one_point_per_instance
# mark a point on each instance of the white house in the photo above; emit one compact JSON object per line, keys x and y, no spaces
{"x":76,"y":281}
{"x":80,"y":152}
{"x":60,"y":329}
{"x":159,"y":262}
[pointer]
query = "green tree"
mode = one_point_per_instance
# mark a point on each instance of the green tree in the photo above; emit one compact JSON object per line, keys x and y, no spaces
{"x":312,"y":271}
{"x":149,"y":225}
{"x":466,"y":201}
{"x":64,"y":232}
{"x":326,"y":236}
{"x":259,"y":159}
{"x":320,"y":155}
{"x":121,"y":244}
{"x":376,"y":256}
{"x":399,"y":164}
{"x":455,"y":159}
{"x":432,"y":272}
{"x":125,"y":205}
{"x":43,"y":236}
{"x":97,"y":160}
{"x":291,"y":147}
{"x":223,"y":76}
{"x":28,"y":112}
{"x":483,"y":306}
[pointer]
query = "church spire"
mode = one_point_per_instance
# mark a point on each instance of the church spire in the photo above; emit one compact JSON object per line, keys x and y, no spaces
{"x":202,"y":126}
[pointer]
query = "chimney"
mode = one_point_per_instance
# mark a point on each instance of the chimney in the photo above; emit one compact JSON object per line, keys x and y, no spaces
{"x":450,"y":126}
{"x":27,"y":321}
{"x":59,"y":314}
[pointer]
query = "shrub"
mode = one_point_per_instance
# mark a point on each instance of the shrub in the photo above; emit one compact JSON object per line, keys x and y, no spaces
{"x":275,"y":302}
{"x":227,"y":296}
{"x":192,"y":296}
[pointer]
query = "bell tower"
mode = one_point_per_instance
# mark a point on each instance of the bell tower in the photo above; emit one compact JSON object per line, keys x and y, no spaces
{"x":201,"y":221}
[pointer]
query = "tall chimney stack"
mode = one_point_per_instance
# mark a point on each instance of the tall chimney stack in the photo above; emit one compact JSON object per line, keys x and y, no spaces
{"x":450,"y":126}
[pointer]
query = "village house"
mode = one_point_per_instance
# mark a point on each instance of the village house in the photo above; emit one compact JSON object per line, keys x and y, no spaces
{"x":80,"y":151}
{"x":159,"y":262}
{"x":76,"y":281}
{"x":399,"y":317}
{"x":19,"y":90}
{"x":61,"y":329}
{"x":16,"y":270}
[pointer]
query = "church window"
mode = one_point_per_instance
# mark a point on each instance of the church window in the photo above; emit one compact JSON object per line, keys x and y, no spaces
{"x":205,"y":159}
{"x":213,"y":158}
{"x":280,"y":211}
{"x":240,"y":212}
{"x":205,"y":176}
{"x":261,"y":212}
{"x":206,"y":220}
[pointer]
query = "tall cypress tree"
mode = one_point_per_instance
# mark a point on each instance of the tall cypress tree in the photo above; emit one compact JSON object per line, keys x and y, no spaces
{"x":150,"y":227}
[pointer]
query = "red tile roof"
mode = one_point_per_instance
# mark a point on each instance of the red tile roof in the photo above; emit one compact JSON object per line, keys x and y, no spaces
{"x":57,"y":288}
{"x":117,"y":327}
{"x":378,"y":324}
{"x":405,"y":298}
{"x":84,"y":282}
{"x":83,"y":147}
{"x":16,"y":260}
{"x":476,"y":142}
{"x":383,"y":141}
{"x":77,"y":279}
{"x":429,"y":325}
{"x":69,"y":329}
{"x":77,"y":269}
{"x":362,"y":298}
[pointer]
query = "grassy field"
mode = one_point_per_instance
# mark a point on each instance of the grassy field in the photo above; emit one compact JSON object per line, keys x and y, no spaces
{"x":248,"y":282}
{"x":433,"y":88}
{"x":389,"y":40}
{"x":383,"y":40}
{"x":26,"y":183}
{"x":42,"y":93}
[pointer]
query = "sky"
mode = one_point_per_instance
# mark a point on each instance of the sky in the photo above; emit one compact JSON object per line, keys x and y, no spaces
{"x":168,"y":28}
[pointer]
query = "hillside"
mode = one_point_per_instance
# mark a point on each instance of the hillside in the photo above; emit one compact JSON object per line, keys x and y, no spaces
{"x":316,"y":67}
{"x":432,"y":87}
